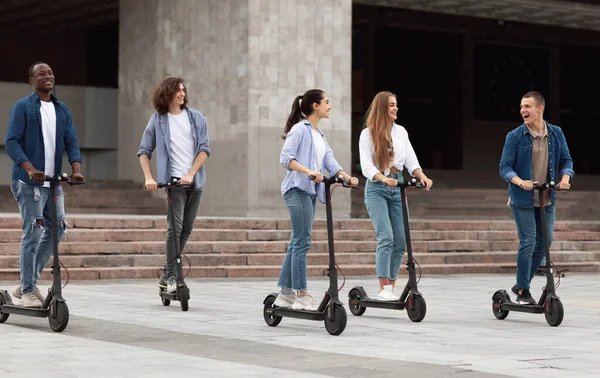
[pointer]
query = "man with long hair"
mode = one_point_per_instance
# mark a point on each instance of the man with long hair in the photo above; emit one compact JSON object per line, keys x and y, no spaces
{"x":180,"y":136}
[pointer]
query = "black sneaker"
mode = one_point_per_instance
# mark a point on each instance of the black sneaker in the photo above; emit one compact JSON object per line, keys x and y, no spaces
{"x":515,"y":290}
{"x":525,"y":298}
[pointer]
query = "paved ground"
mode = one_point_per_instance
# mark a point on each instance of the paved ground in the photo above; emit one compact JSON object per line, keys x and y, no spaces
{"x":120,"y":329}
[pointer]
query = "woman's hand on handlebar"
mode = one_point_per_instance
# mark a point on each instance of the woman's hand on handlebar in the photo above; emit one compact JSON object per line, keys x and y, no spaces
{"x":318,"y":176}
{"x":427,"y":182}
{"x":390,"y":182}
{"x":353,"y":181}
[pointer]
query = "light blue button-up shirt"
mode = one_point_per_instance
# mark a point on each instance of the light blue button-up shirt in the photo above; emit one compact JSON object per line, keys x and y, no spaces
{"x":299,"y":146}
{"x":157,"y":136}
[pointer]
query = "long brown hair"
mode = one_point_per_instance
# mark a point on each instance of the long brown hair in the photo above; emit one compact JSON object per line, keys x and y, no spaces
{"x":164,"y":92}
{"x":379,"y":124}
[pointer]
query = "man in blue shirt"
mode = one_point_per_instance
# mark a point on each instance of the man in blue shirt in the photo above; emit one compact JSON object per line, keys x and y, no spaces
{"x":40,"y":130}
{"x":534,"y":153}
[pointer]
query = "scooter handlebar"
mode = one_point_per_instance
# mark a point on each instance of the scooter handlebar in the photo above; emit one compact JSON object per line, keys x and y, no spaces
{"x":412,"y":183}
{"x":61,"y":178}
{"x":172,"y":184}
{"x":330,"y":180}
{"x":548,"y":185}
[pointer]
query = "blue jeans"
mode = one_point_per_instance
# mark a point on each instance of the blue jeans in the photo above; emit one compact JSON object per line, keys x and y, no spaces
{"x":36,"y":242}
{"x":531,"y":247}
{"x":384,"y":205}
{"x":302,"y":208}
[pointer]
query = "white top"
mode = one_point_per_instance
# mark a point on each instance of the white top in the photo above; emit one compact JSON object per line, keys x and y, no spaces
{"x":404,"y":154}
{"x":182,"y":144}
{"x":48,"y":113}
{"x":320,"y":150}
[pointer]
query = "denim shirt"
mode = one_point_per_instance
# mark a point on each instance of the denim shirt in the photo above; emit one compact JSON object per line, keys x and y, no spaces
{"x":157,"y":136}
{"x":25,"y":141}
{"x":299,"y":146}
{"x":517,"y":161}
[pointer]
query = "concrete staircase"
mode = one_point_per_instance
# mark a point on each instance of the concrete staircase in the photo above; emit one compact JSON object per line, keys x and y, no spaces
{"x":121,"y":247}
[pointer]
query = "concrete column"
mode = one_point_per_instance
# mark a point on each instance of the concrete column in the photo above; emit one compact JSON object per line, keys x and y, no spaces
{"x":244,"y":61}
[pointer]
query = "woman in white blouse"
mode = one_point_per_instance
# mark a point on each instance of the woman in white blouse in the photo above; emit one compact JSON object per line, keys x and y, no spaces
{"x":384,"y":152}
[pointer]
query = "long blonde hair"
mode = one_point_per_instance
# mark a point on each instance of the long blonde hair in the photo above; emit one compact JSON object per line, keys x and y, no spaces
{"x":379,"y":124}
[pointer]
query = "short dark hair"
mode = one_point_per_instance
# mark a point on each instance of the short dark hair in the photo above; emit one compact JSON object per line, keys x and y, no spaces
{"x":33,"y":66}
{"x":537,"y":96}
{"x":164,"y":92}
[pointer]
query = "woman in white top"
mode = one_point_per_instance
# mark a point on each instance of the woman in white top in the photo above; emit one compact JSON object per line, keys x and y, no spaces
{"x":384,"y":152}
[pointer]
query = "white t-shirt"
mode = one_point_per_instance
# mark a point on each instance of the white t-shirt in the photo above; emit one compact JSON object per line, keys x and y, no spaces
{"x":320,"y":150}
{"x":404,"y":154}
{"x":182,"y":144}
{"x":48,"y":113}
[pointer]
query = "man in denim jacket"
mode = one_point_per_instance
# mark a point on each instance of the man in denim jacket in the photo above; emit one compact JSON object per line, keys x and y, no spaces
{"x":180,"y":137}
{"x":40,"y":130}
{"x":534,"y":153}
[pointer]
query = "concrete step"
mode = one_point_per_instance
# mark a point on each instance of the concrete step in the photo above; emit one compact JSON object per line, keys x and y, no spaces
{"x":258,"y":247}
{"x":272,"y":271}
{"x":208,"y":260}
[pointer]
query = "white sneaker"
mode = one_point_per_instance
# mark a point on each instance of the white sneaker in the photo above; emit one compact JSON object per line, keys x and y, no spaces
{"x":387,"y":294}
{"x":18,"y":294}
{"x":30,"y":300}
{"x":305,"y":302}
{"x":285,"y":300}
{"x":171,"y":285}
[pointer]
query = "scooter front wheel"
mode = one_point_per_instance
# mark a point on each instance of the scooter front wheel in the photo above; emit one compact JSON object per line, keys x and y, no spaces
{"x":554,"y":312}
{"x":418,"y":310}
{"x":165,"y":301}
{"x":59,"y":321}
{"x":184,"y":294}
{"x":337,"y":325}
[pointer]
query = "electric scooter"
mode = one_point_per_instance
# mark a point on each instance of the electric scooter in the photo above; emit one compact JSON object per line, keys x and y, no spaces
{"x":330,"y":310}
{"x":549,"y":303}
{"x":55,"y":306}
{"x":410,"y":299}
{"x":182,"y":293}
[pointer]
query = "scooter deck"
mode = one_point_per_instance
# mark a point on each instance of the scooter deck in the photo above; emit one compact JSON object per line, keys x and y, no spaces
{"x":27,"y":311}
{"x":390,"y":305}
{"x":300,"y":314}
{"x":513,"y":306}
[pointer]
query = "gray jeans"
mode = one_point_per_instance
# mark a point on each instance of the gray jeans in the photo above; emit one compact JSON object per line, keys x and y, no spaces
{"x":183,"y":206}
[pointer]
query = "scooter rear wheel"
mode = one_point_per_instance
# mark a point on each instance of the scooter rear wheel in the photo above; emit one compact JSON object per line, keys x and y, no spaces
{"x":353,"y":303}
{"x":337,"y":325}
{"x":165,"y":301}
{"x":556,"y":317}
{"x":59,"y":323}
{"x":3,"y":301}
{"x":270,"y":319}
{"x":417,"y":313}
{"x":497,"y":301}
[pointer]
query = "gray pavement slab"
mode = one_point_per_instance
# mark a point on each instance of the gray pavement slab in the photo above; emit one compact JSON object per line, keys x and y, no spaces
{"x":121,"y":329}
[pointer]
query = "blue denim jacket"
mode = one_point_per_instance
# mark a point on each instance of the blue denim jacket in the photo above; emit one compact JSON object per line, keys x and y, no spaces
{"x":25,"y":141}
{"x":299,"y":146}
{"x":516,"y":161}
{"x":157,"y":135}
